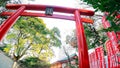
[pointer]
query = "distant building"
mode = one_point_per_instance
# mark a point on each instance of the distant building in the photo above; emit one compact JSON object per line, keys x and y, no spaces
{"x":63,"y":63}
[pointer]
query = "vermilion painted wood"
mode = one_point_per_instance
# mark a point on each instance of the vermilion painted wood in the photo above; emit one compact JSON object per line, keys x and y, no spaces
{"x":86,"y":20}
{"x":10,"y":21}
{"x":118,"y":35}
{"x":82,"y":45}
{"x":55,"y":8}
{"x":100,"y":57}
{"x":113,"y":43}
{"x":90,"y":60}
{"x":118,"y":16}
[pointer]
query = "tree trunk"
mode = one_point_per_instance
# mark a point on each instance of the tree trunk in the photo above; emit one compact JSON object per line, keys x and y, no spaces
{"x":15,"y":64}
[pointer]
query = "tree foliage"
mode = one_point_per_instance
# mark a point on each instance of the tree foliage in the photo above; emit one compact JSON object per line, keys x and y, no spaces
{"x":105,"y":5}
{"x":33,"y":62}
{"x":112,"y":7}
{"x":93,"y":37}
{"x":30,"y":36}
{"x":3,"y":2}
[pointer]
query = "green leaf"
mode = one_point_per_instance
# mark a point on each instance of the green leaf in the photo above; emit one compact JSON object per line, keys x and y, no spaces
{"x":12,"y":35}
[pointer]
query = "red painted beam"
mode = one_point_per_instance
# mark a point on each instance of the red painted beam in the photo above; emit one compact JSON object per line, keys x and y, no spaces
{"x":82,"y":45}
{"x":86,"y":20}
{"x":55,"y":8}
{"x":10,"y":21}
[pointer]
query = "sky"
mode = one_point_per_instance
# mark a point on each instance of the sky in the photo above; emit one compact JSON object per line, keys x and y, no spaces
{"x":65,"y":26}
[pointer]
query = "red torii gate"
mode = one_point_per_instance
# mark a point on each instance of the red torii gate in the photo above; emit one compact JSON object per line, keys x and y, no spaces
{"x":82,"y":45}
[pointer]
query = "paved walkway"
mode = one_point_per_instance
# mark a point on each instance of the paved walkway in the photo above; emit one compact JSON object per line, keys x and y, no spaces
{"x":5,"y":62}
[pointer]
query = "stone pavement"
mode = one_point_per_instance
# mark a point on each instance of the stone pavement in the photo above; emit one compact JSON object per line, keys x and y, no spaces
{"x":5,"y":62}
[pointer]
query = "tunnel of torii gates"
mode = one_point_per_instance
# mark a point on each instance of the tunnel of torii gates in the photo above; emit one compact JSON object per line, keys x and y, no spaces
{"x":20,"y":11}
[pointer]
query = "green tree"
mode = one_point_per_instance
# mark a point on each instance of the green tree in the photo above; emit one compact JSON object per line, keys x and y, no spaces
{"x":33,"y":62}
{"x":3,"y":2}
{"x":31,"y":36}
{"x":112,"y":7}
{"x":93,"y":37}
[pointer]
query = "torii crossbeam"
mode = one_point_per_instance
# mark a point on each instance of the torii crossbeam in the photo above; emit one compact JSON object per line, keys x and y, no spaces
{"x":82,"y":45}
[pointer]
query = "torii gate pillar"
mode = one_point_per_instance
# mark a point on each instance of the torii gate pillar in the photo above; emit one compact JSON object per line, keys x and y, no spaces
{"x":82,"y":45}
